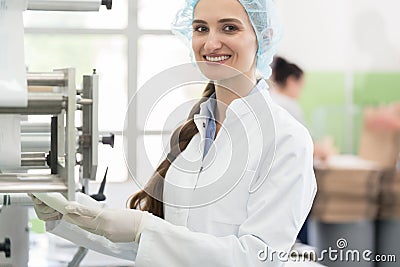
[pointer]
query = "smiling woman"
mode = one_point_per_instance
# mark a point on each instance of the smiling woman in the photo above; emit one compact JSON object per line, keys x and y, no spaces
{"x":222,"y":34}
{"x":256,"y":16}
{"x":238,"y":176}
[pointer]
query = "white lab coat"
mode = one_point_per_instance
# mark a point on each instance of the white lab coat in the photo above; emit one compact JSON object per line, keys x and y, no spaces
{"x":251,"y":193}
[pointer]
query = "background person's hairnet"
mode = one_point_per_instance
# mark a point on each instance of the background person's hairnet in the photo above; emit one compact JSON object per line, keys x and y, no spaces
{"x":265,"y":22}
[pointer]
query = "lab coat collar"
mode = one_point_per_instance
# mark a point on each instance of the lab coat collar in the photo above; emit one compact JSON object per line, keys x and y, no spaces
{"x":237,"y":107}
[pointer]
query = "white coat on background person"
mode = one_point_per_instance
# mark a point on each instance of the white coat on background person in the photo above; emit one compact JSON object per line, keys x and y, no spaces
{"x":291,"y":105}
{"x":251,"y":191}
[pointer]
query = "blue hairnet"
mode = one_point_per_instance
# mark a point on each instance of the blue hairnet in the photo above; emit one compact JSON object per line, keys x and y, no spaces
{"x":263,"y":17}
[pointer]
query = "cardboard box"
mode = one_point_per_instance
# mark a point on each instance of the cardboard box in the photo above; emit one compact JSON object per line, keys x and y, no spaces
{"x":348,"y":175}
{"x":348,"y":190}
{"x":390,"y":196}
{"x":390,"y":189}
{"x":389,"y":212}
{"x":346,"y":182}
{"x":380,"y":147}
{"x":380,"y":137}
{"x":338,"y":209}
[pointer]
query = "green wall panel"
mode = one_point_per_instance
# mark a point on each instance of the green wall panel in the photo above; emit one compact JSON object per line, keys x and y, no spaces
{"x":376,"y":88}
{"x":373,"y":89}
{"x":323,"y":100}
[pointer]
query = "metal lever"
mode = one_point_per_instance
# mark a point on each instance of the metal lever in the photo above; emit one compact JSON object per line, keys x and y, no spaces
{"x":100,"y":195}
{"x":79,"y":256}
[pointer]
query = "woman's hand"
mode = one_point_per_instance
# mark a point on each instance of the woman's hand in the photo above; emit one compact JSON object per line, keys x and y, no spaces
{"x":116,"y":225}
{"x":45,"y":212}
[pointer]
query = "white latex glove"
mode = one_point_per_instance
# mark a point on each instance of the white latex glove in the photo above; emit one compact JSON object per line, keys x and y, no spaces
{"x":43,"y":211}
{"x":116,"y":225}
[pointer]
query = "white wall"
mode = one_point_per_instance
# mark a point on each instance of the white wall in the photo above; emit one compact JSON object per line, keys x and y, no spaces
{"x":354,"y":35}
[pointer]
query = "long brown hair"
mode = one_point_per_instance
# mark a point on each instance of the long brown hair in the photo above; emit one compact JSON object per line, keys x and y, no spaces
{"x":150,"y":198}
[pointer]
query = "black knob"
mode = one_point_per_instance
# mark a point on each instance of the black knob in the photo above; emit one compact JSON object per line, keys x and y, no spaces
{"x":108,"y":140}
{"x":6,"y":247}
{"x":107,"y":3}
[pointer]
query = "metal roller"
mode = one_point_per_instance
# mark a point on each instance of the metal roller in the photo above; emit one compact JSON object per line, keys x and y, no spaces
{"x":24,"y":182}
{"x":35,"y":127}
{"x":39,"y":104}
{"x":46,"y":79}
{"x":35,"y":142}
{"x":33,"y":160}
{"x":65,"y":5}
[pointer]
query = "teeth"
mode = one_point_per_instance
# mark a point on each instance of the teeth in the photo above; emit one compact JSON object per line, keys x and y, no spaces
{"x":215,"y":59}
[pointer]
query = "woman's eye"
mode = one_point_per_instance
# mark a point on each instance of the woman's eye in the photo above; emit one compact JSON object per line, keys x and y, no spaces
{"x":230,"y":28}
{"x":199,"y":28}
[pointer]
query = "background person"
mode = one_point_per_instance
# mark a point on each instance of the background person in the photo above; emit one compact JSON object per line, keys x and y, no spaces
{"x":288,"y":81}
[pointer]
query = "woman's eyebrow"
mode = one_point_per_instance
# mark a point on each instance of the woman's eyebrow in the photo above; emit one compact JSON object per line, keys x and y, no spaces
{"x":199,"y":21}
{"x":225,"y":20}
{"x":229,"y":20}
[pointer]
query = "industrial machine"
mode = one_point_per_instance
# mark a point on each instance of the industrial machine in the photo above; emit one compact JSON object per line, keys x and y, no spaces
{"x":59,"y":153}
{"x":60,"y":145}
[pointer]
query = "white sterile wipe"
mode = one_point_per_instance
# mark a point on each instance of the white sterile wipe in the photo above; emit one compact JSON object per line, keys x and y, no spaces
{"x":55,"y":200}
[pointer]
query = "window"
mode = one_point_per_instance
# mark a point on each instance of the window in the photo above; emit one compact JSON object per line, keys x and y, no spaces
{"x":127,"y":46}
{"x":159,"y":50}
{"x":87,"y":41}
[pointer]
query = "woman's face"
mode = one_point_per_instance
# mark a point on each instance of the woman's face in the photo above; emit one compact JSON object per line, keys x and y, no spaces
{"x":223,"y":36}
{"x":294,"y":86}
